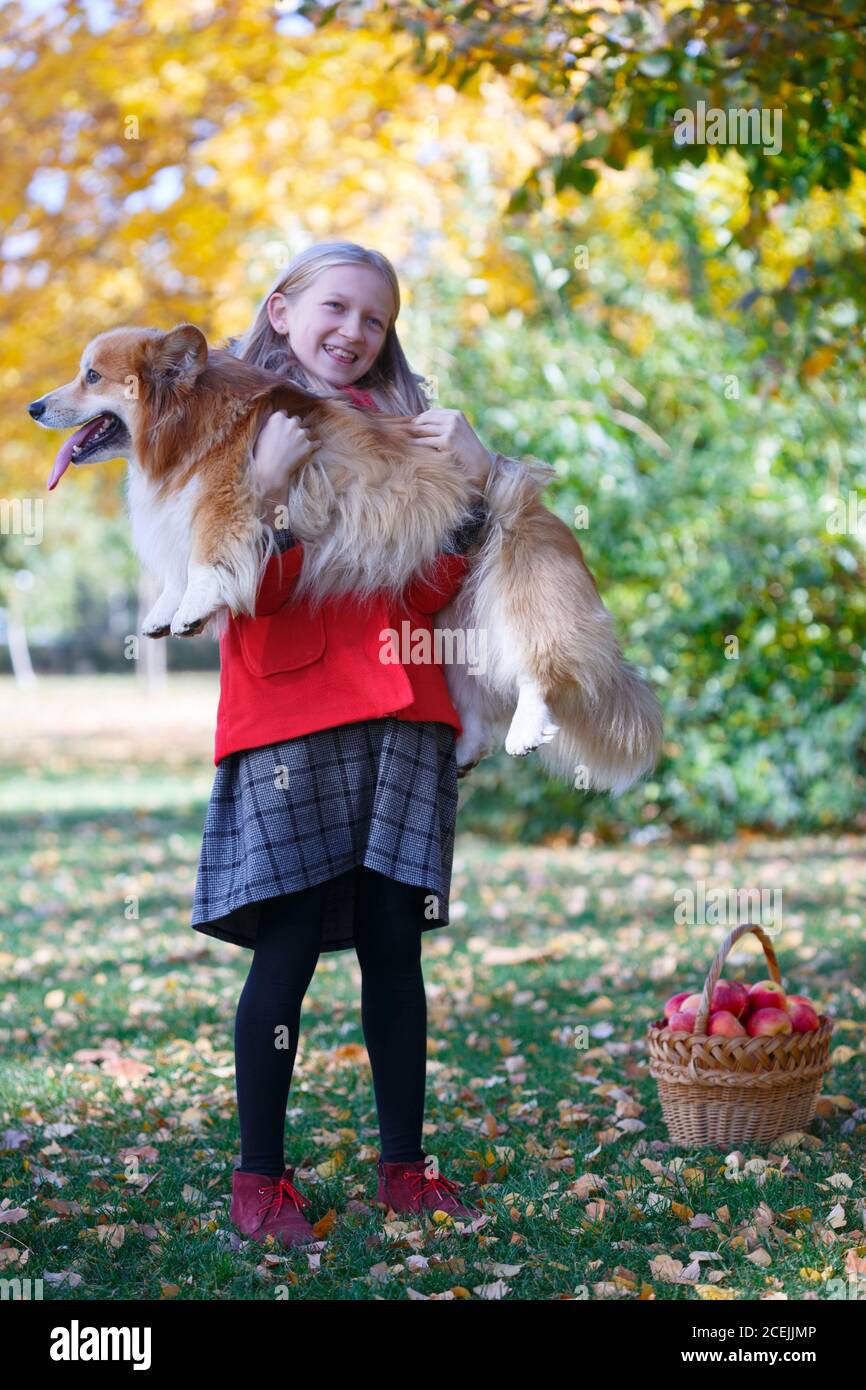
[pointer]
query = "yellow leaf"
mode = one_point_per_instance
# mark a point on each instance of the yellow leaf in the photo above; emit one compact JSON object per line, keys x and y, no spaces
{"x":600,"y":1005}
{"x":841,"y":1102}
{"x":818,"y":362}
{"x":796,"y":1214}
{"x":331,"y":1166}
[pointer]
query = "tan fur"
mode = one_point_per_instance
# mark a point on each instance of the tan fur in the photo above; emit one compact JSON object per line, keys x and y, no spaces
{"x":373,"y":508}
{"x":532,"y":593}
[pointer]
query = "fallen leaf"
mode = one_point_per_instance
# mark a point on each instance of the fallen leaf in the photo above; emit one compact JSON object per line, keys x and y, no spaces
{"x":760,"y":1257}
{"x":667,"y":1269}
{"x":322,"y":1227}
{"x":586,"y":1184}
{"x":9,"y":1216}
{"x":112,"y":1235}
{"x":496,"y":1290}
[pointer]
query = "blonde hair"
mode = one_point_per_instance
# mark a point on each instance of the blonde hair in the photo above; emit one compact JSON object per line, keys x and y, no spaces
{"x":390,"y":381}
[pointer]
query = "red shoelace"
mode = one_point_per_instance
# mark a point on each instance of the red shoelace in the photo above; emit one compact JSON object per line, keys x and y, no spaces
{"x":440,"y":1186}
{"x":283,"y":1189}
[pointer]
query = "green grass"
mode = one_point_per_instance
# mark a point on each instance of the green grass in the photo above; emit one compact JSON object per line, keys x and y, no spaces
{"x":98,"y":960}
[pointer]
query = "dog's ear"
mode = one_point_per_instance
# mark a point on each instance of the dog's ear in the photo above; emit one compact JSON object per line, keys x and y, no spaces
{"x":179,"y":356}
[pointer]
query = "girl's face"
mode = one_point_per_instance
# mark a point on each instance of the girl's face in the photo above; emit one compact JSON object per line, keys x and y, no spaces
{"x":336,"y":327}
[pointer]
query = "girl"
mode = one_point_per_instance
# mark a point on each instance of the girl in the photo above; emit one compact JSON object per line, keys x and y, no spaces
{"x":331,"y":821}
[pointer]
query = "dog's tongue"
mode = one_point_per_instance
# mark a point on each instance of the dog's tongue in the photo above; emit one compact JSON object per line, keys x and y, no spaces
{"x":64,"y":457}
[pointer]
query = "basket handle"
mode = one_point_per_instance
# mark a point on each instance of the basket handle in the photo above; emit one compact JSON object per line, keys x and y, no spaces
{"x":715,"y":969}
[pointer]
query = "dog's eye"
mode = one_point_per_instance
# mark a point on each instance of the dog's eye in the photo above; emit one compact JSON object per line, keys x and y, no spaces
{"x":92,"y":376}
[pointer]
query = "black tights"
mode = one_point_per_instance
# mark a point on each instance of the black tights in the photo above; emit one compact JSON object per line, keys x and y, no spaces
{"x":389,"y":918}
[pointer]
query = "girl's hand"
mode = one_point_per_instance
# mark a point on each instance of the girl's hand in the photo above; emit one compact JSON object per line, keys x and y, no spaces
{"x":450,"y":432}
{"x":282,"y":446}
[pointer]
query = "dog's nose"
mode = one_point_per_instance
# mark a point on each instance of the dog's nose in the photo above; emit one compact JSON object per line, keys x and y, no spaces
{"x":36,"y":409}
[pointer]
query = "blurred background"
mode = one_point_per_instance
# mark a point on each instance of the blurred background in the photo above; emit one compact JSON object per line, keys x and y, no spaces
{"x":629,"y":239}
{"x":675,"y":326}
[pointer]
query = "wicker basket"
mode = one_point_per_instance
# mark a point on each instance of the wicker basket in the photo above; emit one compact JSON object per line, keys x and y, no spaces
{"x":717,"y":1090}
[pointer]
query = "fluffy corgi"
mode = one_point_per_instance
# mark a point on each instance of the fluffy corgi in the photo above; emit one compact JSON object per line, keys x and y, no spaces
{"x":372,"y":507}
{"x":187,"y":418}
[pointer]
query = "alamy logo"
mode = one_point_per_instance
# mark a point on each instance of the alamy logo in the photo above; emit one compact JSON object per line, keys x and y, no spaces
{"x":846,"y":517}
{"x":26,"y":1289}
{"x":741,"y":125}
{"x":22,"y":516}
{"x":444,"y":646}
{"x":77,"y":1343}
{"x":729,"y":907}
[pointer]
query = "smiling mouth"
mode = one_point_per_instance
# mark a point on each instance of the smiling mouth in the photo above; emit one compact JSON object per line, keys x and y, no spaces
{"x":333,"y":352}
{"x":88,"y":439}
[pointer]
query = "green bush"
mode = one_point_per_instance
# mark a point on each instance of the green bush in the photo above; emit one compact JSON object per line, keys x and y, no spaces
{"x":707,"y":472}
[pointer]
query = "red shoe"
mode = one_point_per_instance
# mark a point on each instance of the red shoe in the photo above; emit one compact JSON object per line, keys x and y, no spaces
{"x":405,"y":1187}
{"x":264,"y":1206}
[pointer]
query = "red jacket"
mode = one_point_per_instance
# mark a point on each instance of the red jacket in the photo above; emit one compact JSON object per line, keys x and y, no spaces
{"x":291,"y":670}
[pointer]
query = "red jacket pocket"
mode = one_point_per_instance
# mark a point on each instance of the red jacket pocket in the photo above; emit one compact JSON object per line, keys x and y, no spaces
{"x":291,"y":637}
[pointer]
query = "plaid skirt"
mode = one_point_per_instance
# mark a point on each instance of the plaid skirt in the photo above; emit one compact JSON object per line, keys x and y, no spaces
{"x":381,"y":792}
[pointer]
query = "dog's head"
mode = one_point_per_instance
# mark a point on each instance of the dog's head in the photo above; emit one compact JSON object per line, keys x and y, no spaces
{"x":121,"y":386}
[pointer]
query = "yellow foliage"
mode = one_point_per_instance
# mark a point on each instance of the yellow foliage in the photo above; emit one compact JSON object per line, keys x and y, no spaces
{"x":203,"y":147}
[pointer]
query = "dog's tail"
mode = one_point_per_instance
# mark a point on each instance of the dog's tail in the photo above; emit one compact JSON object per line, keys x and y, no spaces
{"x":531,"y":572}
{"x":607,"y":742}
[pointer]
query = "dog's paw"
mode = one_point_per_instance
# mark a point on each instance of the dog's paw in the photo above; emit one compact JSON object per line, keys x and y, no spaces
{"x":526,"y":734}
{"x":158,"y":620}
{"x":469,"y":755}
{"x":187,"y":629}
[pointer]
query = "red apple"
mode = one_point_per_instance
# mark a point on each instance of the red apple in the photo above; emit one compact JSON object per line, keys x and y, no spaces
{"x":690,"y":1004}
{"x":726,"y":1025}
{"x":682,"y":1022}
{"x":800,"y":999}
{"x":674,"y":1003}
{"x":766,"y":1023}
{"x":729,"y":996}
{"x":803,"y":1017}
{"x":766,"y":994}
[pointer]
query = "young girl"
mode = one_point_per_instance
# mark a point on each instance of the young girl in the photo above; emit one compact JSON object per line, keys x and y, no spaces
{"x":331,"y":821}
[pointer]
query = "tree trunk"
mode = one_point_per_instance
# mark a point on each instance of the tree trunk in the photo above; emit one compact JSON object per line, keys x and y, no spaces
{"x":16,"y":639}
